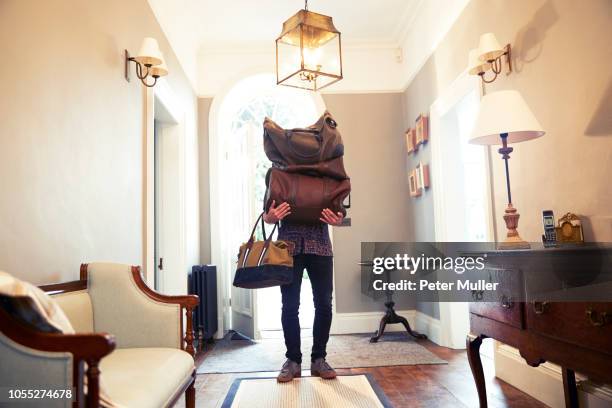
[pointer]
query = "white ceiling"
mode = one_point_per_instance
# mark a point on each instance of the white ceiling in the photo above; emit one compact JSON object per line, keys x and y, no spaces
{"x":211,"y":37}
{"x":238,"y":22}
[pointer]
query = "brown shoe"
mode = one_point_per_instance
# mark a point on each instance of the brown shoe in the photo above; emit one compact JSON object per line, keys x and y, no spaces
{"x":290,"y":370}
{"x":320,"y":368}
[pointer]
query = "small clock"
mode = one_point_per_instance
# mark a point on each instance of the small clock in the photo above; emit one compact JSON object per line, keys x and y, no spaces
{"x":569,"y":229}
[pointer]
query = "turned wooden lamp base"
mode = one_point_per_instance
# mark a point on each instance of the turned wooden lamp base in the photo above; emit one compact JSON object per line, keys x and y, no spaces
{"x":513,"y":239}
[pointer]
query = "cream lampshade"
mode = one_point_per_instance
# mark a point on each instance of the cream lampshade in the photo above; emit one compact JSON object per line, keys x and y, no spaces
{"x":149,"y":53}
{"x":489,"y":47}
{"x":505,"y":112}
{"x":475,"y":65}
{"x":159,"y":70}
{"x":503,"y":118}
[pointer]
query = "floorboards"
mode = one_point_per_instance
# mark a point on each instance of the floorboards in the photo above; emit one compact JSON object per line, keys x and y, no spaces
{"x":419,"y":386}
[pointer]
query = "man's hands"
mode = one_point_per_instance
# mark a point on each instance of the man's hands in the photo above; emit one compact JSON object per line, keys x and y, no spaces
{"x":275,"y":214}
{"x":328,"y":217}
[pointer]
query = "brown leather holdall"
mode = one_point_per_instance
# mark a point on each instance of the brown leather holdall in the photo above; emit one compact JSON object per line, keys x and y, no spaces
{"x":317,"y":143}
{"x":307,"y":195}
{"x":333,"y":168}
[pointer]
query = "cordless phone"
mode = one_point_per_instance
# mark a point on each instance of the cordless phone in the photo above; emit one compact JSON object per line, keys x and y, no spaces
{"x":550,"y":235}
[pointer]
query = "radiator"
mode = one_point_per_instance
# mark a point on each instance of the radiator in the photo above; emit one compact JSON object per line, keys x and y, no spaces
{"x":202,"y":281}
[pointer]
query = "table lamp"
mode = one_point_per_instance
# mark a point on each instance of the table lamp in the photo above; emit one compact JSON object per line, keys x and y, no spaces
{"x":505,"y":118}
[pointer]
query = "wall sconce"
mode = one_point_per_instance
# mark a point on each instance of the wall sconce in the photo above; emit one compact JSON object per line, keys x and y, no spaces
{"x":149,"y":62}
{"x":488,"y":56}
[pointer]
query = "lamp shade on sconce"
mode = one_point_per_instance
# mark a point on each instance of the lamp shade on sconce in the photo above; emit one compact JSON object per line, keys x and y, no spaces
{"x":149,"y":53}
{"x":489,"y":47}
{"x":505,"y":112}
{"x":159,"y":70}
{"x":475,"y":65}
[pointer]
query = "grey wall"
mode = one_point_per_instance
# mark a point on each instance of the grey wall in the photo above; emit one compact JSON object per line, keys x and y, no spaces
{"x":71,"y":135}
{"x":375,"y":159}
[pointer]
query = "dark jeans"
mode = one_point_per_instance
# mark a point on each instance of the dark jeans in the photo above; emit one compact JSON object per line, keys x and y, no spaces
{"x":320,"y":272}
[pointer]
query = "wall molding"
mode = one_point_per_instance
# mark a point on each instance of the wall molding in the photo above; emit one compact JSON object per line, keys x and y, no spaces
{"x":544,"y":382}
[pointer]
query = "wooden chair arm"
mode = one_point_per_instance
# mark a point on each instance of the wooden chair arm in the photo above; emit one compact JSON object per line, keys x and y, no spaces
{"x":187,"y":302}
{"x":89,"y":348}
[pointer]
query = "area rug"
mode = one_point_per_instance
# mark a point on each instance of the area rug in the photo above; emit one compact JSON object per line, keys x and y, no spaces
{"x":343,"y":351}
{"x":350,"y":391}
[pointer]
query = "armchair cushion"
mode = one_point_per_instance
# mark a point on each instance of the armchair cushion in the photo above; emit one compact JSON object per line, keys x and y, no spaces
{"x":33,"y":305}
{"x":77,"y":307}
{"x":120,"y":307}
{"x":145,"y":377}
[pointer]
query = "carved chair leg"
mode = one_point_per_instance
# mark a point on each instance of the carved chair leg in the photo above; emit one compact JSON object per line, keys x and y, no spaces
{"x":473,"y":352}
{"x":93,"y":384}
{"x":190,"y":395}
{"x":569,"y":388}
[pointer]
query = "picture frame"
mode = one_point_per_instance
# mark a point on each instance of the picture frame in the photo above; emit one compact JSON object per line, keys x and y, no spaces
{"x":411,"y":145}
{"x":413,"y":181}
{"x":422,"y":129}
{"x":423,"y":176}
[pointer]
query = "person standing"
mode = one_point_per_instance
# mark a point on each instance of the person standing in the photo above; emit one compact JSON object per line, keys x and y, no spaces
{"x":311,"y":249}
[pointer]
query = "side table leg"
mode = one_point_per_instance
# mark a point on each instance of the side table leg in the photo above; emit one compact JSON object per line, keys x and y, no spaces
{"x":569,"y":388}
{"x":472,"y":344}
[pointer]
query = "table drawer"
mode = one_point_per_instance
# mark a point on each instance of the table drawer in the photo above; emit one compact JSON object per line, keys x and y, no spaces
{"x":507,"y":312}
{"x":584,"y":324}
{"x":499,"y":305}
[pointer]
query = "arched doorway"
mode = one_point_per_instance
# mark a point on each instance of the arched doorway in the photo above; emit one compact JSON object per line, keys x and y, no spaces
{"x":237,"y":169}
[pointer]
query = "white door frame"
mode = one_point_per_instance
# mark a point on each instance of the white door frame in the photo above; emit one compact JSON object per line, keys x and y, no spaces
{"x":174,"y":132}
{"x":215,"y":160}
{"x":452,"y":315}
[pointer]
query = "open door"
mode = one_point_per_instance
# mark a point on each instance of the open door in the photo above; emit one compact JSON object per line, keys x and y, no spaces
{"x":169,"y":275}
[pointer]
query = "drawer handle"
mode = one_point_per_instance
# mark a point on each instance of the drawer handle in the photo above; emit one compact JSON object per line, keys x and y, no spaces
{"x":597,"y":319}
{"x":506,"y":303}
{"x":539,"y":307}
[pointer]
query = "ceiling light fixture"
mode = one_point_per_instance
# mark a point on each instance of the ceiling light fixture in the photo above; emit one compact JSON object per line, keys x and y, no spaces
{"x":308,"y":51}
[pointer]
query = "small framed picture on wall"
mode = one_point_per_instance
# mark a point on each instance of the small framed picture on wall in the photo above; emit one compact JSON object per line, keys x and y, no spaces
{"x":411,"y":145}
{"x":413,"y":180}
{"x":422,"y":171}
{"x":422,"y":130}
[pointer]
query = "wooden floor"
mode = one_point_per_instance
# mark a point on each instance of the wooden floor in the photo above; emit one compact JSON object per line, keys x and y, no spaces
{"x":448,"y":385}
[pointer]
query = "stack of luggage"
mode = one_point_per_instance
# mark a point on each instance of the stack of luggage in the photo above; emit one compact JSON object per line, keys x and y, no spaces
{"x":307,"y":169}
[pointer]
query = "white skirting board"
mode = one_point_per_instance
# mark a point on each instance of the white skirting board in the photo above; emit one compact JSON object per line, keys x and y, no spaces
{"x":544,"y":383}
{"x":366,"y":322}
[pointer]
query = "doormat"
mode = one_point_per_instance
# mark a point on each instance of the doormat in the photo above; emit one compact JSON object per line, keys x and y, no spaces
{"x":350,"y":391}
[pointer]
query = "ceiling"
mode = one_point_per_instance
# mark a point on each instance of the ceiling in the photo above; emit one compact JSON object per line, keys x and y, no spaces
{"x":238,"y":22}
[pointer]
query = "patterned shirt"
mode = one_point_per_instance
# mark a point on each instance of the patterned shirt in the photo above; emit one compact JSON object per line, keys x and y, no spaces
{"x":306,"y":239}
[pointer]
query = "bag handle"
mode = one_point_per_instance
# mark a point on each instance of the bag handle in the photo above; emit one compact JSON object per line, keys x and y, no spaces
{"x":267,"y":240}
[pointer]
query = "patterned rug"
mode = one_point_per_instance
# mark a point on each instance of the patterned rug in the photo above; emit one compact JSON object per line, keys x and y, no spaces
{"x":351,"y":391}
{"x":343,"y":351}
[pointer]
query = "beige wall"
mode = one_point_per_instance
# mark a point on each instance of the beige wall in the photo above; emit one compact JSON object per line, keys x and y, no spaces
{"x":71,"y":134}
{"x":561,"y":55}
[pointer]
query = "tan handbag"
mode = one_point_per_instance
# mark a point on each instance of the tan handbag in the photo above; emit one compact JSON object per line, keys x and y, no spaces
{"x":262,"y":264}
{"x":317,"y":143}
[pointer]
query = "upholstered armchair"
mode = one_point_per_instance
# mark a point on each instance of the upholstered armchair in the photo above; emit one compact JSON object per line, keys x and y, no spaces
{"x":130,"y":346}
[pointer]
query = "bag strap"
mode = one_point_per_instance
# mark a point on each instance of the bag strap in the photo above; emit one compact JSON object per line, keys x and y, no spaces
{"x":267,"y":240}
